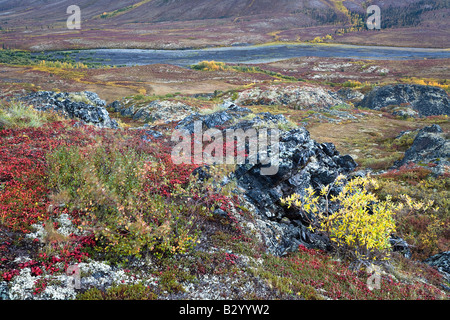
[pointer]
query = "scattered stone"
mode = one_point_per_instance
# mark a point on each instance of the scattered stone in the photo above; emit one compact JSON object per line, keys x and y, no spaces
{"x":166,"y":111}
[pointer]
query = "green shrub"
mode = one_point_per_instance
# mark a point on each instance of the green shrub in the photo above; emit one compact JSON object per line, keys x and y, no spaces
{"x":210,"y":66}
{"x":119,"y":292}
{"x":108,"y":184}
{"x":422,"y":226}
{"x":16,"y":57}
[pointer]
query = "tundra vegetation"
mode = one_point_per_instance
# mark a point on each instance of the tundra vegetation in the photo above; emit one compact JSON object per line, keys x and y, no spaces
{"x":131,"y":203}
{"x":169,"y":233}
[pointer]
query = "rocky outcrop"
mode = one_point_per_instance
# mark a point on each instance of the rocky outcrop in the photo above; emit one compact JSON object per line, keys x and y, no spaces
{"x":430,"y":146}
{"x":298,"y":97}
{"x":85,"y":106}
{"x":441,"y":262}
{"x":158,"y":110}
{"x":231,"y":116}
{"x":425,"y":100}
{"x":350,"y":95}
{"x":302,"y":162}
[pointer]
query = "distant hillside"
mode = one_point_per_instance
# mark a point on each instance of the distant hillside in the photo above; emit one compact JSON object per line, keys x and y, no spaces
{"x":47,"y":12}
{"x":268,"y":20}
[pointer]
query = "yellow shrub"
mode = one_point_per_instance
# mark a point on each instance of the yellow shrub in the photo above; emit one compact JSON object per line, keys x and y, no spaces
{"x":62,"y":65}
{"x":362,"y":225}
{"x":352,"y":84}
{"x":142,"y":91}
{"x":429,"y":82}
{"x":210,"y":66}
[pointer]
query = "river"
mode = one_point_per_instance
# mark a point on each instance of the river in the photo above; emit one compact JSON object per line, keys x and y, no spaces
{"x":249,"y":54}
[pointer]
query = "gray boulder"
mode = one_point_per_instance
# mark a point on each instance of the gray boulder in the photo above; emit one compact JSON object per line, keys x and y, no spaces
{"x":431,"y":146}
{"x":85,"y":106}
{"x":350,"y":95}
{"x":232,"y":116}
{"x":166,"y":111}
{"x":302,"y":163}
{"x":155,"y":111}
{"x":441,"y":262}
{"x":426,"y":100}
{"x":295,"y":96}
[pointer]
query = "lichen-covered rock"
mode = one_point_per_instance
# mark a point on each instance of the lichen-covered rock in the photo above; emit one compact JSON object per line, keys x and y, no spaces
{"x":85,"y":106}
{"x":295,"y":96}
{"x":430,"y":146}
{"x":350,"y":95}
{"x":232,"y":116}
{"x":156,"y":111}
{"x":426,"y":100}
{"x":441,"y":262}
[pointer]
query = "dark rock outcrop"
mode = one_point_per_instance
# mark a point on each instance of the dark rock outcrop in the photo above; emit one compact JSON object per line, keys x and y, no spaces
{"x":157,"y":110}
{"x":441,"y":262}
{"x":426,"y":100}
{"x":429,"y":147}
{"x":231,"y":116}
{"x":302,"y":162}
{"x":350,"y":95}
{"x":85,"y":106}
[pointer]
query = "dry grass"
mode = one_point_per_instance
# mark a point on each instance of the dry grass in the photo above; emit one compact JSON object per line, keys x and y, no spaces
{"x":368,"y":140}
